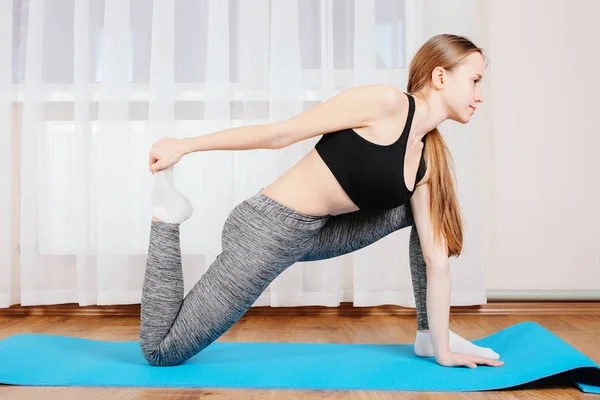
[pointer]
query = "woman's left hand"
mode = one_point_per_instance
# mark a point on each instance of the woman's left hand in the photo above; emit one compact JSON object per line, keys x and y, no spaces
{"x":166,"y":152}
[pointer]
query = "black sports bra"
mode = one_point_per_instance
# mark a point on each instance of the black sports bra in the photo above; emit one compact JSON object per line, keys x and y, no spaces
{"x":371,"y":174}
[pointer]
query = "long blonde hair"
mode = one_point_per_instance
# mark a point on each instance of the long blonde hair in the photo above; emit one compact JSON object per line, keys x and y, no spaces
{"x":446,"y":51}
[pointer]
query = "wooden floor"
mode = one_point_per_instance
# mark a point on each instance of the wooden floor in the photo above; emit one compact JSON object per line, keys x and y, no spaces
{"x":581,"y":331}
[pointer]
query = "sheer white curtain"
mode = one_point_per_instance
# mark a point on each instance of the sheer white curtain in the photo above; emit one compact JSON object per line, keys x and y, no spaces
{"x":86,"y":86}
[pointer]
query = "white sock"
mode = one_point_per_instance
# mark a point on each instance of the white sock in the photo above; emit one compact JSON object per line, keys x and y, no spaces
{"x":458,"y":344}
{"x":167,"y":203}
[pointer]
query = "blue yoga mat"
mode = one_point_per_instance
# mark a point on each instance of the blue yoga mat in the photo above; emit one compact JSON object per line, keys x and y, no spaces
{"x":530,"y":352}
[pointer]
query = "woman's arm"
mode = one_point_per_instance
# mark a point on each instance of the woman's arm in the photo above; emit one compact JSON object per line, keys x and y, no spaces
{"x":241,"y":138}
{"x":168,"y":151}
{"x":438,"y":272}
{"x":355,"y":107}
{"x":438,"y":286}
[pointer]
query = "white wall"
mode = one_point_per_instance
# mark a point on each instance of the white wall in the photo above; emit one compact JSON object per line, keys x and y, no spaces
{"x":543,"y":102}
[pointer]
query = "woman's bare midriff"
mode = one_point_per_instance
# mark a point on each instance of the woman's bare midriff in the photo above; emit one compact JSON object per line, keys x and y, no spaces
{"x":310,"y":188}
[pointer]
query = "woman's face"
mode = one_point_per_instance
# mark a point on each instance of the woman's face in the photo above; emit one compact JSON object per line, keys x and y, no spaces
{"x":462,"y":88}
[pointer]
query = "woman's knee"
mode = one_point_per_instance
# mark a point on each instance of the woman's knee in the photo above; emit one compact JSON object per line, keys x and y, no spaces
{"x":157,"y":357}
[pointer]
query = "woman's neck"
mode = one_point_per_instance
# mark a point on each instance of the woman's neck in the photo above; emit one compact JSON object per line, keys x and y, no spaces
{"x":430,"y":111}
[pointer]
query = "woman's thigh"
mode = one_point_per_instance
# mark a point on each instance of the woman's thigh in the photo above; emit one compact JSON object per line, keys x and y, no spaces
{"x":345,"y":233}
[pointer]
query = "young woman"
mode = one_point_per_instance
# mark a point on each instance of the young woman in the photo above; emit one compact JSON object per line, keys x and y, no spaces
{"x":369,"y":175}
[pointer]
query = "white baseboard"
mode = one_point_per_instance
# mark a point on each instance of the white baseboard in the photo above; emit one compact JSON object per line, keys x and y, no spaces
{"x":543,"y":295}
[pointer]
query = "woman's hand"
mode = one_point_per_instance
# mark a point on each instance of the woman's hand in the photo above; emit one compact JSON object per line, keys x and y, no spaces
{"x":457,"y":360}
{"x":166,"y":152}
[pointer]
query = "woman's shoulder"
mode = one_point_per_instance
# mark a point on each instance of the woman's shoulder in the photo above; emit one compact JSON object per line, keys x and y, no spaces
{"x":389,"y":96}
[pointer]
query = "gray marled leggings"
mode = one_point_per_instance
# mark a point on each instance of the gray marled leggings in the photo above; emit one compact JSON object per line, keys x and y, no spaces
{"x":260,"y":239}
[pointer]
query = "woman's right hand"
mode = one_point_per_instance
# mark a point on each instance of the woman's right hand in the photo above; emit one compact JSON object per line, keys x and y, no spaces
{"x":458,"y":360}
